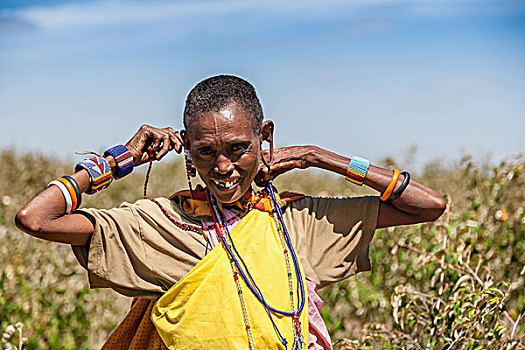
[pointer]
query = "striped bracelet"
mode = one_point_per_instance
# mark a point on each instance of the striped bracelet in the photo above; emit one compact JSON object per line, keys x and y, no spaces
{"x":123,"y":158}
{"x":357,"y":170}
{"x":65,"y":192}
{"x":99,"y":173}
{"x":69,"y":188}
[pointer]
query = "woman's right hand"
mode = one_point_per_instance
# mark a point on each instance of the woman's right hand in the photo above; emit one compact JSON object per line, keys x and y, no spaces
{"x":161,"y":140}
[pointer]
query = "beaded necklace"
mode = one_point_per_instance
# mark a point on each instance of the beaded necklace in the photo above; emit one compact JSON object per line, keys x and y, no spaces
{"x":285,"y":238}
{"x":221,"y":229}
{"x":236,"y":261}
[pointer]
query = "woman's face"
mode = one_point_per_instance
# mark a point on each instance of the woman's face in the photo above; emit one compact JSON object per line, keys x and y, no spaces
{"x":225,"y":152}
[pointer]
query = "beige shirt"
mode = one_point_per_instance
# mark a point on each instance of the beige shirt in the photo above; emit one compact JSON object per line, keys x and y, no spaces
{"x":137,"y":251}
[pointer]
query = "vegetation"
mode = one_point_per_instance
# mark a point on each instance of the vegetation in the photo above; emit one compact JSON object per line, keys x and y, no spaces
{"x":458,"y":283}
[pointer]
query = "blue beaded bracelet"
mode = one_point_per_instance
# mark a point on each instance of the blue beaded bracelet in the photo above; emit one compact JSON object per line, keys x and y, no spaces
{"x":123,"y":158}
{"x":357,"y":170}
{"x":99,"y":173}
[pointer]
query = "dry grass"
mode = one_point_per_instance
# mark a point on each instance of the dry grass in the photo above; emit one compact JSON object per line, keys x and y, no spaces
{"x":455,"y":284}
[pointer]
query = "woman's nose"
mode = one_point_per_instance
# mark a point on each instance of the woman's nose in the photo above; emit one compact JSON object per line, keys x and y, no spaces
{"x":224,"y":164}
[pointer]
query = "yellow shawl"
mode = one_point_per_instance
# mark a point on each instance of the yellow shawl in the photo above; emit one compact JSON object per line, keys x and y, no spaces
{"x":203,"y":311}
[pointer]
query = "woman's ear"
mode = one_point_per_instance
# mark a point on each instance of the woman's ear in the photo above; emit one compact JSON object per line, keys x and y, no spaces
{"x":267,"y":132}
{"x":267,"y":135}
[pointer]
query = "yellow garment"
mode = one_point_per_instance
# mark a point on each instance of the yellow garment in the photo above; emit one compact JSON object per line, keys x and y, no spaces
{"x":203,"y":310}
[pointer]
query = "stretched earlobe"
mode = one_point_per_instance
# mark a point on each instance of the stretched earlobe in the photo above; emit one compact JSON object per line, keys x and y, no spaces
{"x":267,"y":135}
{"x":267,"y":131}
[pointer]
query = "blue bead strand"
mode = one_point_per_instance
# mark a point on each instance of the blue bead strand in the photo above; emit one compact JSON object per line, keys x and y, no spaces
{"x":248,"y":279}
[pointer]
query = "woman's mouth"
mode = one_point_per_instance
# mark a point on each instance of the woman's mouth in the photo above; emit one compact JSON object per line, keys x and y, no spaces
{"x":226,"y":185}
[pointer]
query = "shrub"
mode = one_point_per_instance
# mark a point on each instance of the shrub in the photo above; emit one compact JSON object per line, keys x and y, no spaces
{"x":454,"y":284}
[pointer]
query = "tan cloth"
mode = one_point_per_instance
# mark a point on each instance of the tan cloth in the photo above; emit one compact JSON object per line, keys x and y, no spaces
{"x":138,"y":252}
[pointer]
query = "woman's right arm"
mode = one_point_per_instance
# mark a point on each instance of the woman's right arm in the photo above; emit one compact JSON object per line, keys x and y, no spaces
{"x":45,"y":215}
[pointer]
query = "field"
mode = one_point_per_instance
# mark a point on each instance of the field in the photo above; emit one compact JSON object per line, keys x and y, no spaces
{"x":458,"y":283}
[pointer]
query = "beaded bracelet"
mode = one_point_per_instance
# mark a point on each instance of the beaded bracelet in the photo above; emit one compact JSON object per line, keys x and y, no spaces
{"x":123,"y":158}
{"x":99,"y":173}
{"x":401,"y":188}
{"x":357,"y":170}
{"x":390,"y":186}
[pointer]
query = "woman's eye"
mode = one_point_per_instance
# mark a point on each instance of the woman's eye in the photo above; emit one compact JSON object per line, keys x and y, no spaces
{"x":205,"y":151}
{"x":239,"y":147}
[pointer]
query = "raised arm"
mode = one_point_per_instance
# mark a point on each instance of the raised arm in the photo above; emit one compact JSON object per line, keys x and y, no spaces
{"x":416,"y":204}
{"x":45,"y":215}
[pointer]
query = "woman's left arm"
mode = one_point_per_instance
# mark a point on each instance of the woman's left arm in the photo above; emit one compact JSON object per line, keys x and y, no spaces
{"x":416,"y":204}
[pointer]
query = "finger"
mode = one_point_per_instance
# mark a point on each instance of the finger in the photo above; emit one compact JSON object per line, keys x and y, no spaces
{"x":144,"y":158}
{"x":175,"y":140}
{"x":277,"y":169}
{"x":145,"y":137}
{"x":137,"y":142}
{"x":179,"y":142}
{"x":165,"y":147}
{"x":157,"y":139}
{"x":282,"y":168}
{"x":278,"y":172}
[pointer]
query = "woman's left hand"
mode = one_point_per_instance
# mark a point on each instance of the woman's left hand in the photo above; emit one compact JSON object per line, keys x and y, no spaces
{"x":283,"y":160}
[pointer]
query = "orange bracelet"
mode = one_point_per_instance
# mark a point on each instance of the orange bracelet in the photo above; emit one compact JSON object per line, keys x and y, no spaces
{"x":390,"y":186}
{"x":72,"y":192}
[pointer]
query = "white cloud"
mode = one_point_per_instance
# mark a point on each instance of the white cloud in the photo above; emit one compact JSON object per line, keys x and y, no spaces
{"x":120,"y":12}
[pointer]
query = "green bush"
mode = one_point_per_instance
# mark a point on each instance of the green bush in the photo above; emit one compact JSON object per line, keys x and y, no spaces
{"x":454,"y":284}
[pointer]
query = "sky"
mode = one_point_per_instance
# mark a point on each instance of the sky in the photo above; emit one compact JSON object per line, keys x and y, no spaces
{"x":372,"y":78}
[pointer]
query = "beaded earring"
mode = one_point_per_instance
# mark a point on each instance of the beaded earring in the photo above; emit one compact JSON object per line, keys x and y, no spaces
{"x":190,"y":169}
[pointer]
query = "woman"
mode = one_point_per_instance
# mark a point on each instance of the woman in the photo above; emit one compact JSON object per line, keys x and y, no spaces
{"x":257,"y":289}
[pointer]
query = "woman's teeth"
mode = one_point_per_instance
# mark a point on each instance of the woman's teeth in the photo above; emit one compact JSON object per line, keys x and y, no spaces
{"x":226,"y":185}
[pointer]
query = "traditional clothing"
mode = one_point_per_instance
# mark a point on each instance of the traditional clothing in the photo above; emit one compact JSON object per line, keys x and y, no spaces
{"x":202,"y":310}
{"x":137,"y":251}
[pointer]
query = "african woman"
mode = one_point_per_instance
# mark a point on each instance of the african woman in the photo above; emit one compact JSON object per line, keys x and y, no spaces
{"x":223,"y":266}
